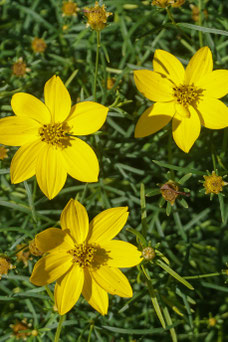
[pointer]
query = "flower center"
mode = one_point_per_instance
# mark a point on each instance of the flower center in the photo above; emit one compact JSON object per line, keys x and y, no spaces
{"x":187,"y":94}
{"x":89,"y":255}
{"x":213,"y":184}
{"x":56,"y":134}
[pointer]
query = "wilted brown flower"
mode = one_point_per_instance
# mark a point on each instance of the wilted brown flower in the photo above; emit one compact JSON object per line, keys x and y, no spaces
{"x":39,"y":45}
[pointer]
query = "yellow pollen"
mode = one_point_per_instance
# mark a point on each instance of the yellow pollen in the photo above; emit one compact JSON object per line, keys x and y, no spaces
{"x":187,"y":95}
{"x":88,"y":255}
{"x":56,"y":134}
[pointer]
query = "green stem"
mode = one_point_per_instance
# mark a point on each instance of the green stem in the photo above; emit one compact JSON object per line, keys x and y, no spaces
{"x":170,"y":16}
{"x":59,"y":328}
{"x":90,"y":331}
{"x":96,"y":65}
{"x":216,"y":274}
{"x":200,"y":23}
{"x":49,"y":293}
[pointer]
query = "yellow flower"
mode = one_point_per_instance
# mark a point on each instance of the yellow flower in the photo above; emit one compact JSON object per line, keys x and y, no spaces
{"x":189,"y":97}
{"x":83,"y":258}
{"x":39,"y":45}
{"x":70,"y":8}
{"x":46,"y":134}
{"x":213,"y":184}
{"x":96,"y":16}
{"x":167,"y":3}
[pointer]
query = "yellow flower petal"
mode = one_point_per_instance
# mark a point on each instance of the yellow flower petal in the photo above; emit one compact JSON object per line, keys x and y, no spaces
{"x":186,"y":130}
{"x":168,"y":65}
{"x":57,"y":99}
{"x":200,"y":65}
{"x":107,"y":224}
{"x":17,"y":131}
{"x":23,"y":165}
{"x":51,"y":267}
{"x":182,"y":111}
{"x":113,"y":281}
{"x":122,"y":254}
{"x":87,"y":117}
{"x":80,"y":161}
{"x":53,"y":238}
{"x":50,"y":172}
{"x":215,"y":83}
{"x":68,"y":289}
{"x":154,"y":118}
{"x":28,"y":105}
{"x":74,"y":218}
{"x":95,"y":295}
{"x":153,"y":86}
{"x":213,"y":113}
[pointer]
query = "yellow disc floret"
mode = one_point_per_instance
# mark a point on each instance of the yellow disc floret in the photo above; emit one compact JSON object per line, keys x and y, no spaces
{"x":96,"y":16}
{"x":56,"y":134}
{"x":88,"y":255}
{"x":213,"y":183}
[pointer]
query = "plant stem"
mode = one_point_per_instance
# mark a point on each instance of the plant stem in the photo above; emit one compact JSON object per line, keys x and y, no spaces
{"x":200,"y":23}
{"x":49,"y":293}
{"x":96,"y":65}
{"x":59,"y":328}
{"x":216,"y":274}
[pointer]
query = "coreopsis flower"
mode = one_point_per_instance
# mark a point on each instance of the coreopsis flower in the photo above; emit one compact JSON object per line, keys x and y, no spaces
{"x":3,"y":152}
{"x":213,"y":183}
{"x":46,"y":134}
{"x":83,"y":257}
{"x":190,"y":97}
{"x":70,"y":8}
{"x":96,"y":16}
{"x":38,"y":45}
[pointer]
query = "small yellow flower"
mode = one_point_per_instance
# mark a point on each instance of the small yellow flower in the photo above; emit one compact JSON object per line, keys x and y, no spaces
{"x":110,"y":83}
{"x":190,"y":98}
{"x":96,"y":16}
{"x":70,"y":8}
{"x":46,"y":134}
{"x":83,"y":258}
{"x":19,"y":68}
{"x":212,"y":321}
{"x":148,"y":253}
{"x":167,"y":3}
{"x":39,"y":45}
{"x":170,"y":191}
{"x":5,"y":265}
{"x":213,"y":183}
{"x":33,"y":248}
{"x":3,"y":152}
